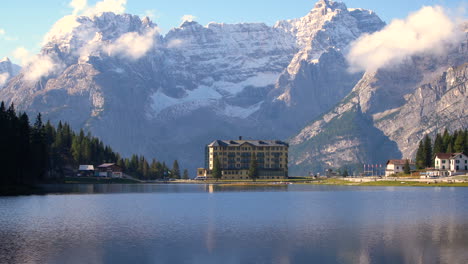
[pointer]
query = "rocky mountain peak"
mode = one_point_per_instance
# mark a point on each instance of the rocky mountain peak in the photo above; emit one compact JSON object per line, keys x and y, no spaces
{"x":324,"y":6}
{"x":5,"y":59}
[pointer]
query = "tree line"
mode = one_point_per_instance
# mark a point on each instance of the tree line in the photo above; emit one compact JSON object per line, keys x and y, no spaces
{"x":447,"y":142}
{"x":43,"y":152}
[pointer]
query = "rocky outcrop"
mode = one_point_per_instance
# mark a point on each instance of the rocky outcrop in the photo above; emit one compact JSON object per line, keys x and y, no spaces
{"x":8,"y":70}
{"x":399,"y":105}
{"x":431,"y":108}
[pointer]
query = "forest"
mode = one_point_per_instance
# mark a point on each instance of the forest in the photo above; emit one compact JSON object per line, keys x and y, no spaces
{"x":456,"y":142}
{"x":41,"y":152}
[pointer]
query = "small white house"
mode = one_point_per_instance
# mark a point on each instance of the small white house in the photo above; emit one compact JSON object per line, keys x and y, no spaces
{"x":458,"y":162}
{"x":453,"y":163}
{"x":442,"y":161}
{"x":86,"y":170}
{"x":397,"y":166}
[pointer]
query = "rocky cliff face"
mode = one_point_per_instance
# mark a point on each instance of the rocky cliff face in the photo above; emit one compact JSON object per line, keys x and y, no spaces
{"x":8,"y":70}
{"x":432,"y":107}
{"x":317,"y":77}
{"x":392,"y":110}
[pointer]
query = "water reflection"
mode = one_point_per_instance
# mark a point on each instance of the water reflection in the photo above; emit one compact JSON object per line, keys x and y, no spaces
{"x":207,"y":224}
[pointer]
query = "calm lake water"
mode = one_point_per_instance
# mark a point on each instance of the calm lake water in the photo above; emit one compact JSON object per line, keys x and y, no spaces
{"x":214,"y":224}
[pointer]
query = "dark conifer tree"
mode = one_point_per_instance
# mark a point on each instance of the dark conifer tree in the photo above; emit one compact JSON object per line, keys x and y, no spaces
{"x":427,"y":151}
{"x":253,"y":168}
{"x":216,"y":172}
{"x":176,"y":170}
{"x":420,"y":156}
{"x":406,"y":167}
{"x":459,"y":144}
{"x":185,"y":175}
{"x":446,"y":138}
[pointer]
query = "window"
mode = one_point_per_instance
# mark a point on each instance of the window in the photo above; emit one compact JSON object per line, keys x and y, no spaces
{"x":458,"y":161}
{"x":443,"y":161}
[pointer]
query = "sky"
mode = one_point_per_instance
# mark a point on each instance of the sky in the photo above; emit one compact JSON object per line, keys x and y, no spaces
{"x":23,"y":23}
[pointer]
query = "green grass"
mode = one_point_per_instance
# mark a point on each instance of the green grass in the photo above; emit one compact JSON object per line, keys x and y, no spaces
{"x":413,"y":184}
{"x":400,"y":182}
{"x":96,"y":180}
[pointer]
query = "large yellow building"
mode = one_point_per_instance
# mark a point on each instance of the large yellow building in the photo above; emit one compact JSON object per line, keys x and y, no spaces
{"x":235,"y":155}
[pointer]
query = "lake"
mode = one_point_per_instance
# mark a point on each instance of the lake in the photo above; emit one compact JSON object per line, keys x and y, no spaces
{"x":178,"y":223}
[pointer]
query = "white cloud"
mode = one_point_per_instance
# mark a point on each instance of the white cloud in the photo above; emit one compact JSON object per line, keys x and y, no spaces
{"x":62,"y":27}
{"x":22,"y":55}
{"x":3,"y":78}
{"x":188,"y":18}
{"x":78,"y":6}
{"x":81,"y":7}
{"x":152,"y":14}
{"x":38,"y":66}
{"x":2,"y":32}
{"x":42,"y":66}
{"x":428,"y":30}
{"x":175,"y":43}
{"x":132,"y":44}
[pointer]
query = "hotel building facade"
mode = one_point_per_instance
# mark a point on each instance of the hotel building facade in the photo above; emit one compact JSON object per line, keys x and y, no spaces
{"x":235,"y":156}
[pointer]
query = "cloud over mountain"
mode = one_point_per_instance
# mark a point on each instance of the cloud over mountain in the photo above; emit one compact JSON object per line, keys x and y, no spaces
{"x":428,"y":30}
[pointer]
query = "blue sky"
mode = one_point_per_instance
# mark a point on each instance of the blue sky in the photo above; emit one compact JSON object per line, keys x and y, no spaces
{"x":25,"y":22}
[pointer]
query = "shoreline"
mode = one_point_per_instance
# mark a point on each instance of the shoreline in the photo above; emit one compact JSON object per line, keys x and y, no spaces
{"x":18,"y":190}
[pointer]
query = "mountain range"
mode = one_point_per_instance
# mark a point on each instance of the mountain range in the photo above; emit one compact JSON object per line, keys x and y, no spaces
{"x":167,"y":96}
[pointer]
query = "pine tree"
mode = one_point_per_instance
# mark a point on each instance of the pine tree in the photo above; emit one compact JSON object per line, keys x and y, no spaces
{"x":176,"y":170}
{"x":39,"y":148}
{"x":459,"y":145}
{"x":185,"y":175}
{"x":438,"y":144}
{"x":345,"y":173}
{"x":253,"y":168}
{"x":465,"y":150}
{"x":216,"y":172}
{"x":420,"y":156}
{"x":406,"y":167}
{"x":446,"y":138}
{"x":427,"y":151}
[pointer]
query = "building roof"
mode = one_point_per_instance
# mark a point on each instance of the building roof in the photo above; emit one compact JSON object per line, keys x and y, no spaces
{"x":448,"y":155}
{"x":86,"y":168}
{"x":399,"y":162}
{"x":106,"y":165}
{"x":444,"y":155}
{"x":257,"y":143}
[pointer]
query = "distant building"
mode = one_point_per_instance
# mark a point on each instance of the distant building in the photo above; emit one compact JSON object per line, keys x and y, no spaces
{"x":442,"y":161}
{"x":235,"y":157}
{"x":86,"y":170}
{"x":454,"y":163}
{"x":396,"y":166}
{"x":111,"y":170}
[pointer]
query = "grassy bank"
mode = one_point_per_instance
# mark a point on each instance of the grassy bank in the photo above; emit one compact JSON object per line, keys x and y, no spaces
{"x":400,"y":182}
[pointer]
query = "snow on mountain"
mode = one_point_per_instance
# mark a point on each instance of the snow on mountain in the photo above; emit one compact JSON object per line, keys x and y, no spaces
{"x":222,"y":60}
{"x":167,"y":96}
{"x":317,"y":78}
